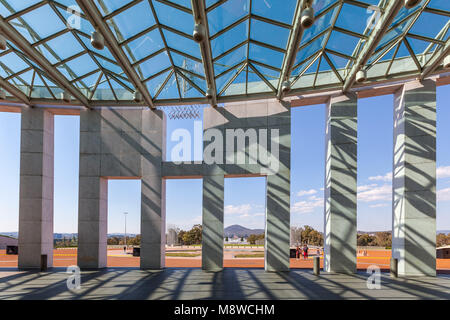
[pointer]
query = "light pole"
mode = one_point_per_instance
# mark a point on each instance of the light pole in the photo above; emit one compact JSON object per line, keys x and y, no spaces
{"x":125,"y":214}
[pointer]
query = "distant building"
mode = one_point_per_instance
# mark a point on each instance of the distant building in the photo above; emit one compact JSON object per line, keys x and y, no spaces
{"x":172,"y":237}
{"x":7,"y":241}
{"x":443,"y":252}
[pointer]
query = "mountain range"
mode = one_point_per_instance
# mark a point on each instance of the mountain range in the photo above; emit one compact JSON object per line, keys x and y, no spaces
{"x":240,"y":231}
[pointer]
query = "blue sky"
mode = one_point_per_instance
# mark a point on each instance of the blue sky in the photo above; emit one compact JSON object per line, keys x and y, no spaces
{"x":244,"y":197}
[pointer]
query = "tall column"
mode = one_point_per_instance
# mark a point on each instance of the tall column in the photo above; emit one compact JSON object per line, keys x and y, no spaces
{"x":93,"y":195}
{"x":153,"y":188}
{"x":340,"y":184}
{"x":36,"y":188}
{"x":278,"y":186}
{"x":212,"y":222}
{"x":414,"y":179}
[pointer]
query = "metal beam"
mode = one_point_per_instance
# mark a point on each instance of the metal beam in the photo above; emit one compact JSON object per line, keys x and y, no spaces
{"x":94,"y":16}
{"x":295,"y":38}
{"x":436,"y":60}
{"x":392,"y":9}
{"x":14,"y":91}
{"x":54,"y":74}
{"x":199,"y":13}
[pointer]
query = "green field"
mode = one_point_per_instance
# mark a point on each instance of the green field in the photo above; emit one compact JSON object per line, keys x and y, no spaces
{"x":182,"y":254}
{"x":252,"y":255}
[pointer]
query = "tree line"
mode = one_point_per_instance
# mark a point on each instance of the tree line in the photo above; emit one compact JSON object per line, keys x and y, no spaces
{"x":306,"y":234}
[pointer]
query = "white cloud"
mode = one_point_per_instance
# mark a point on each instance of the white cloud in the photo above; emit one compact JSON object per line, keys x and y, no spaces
{"x":443,"y":172}
{"x":306,"y":192}
{"x":379,"y":205}
{"x":386,"y":178}
{"x":251,"y":215}
{"x":240,"y":209}
{"x":443,"y":194}
{"x":307,"y":206}
{"x":366,"y":187}
{"x":373,"y":192}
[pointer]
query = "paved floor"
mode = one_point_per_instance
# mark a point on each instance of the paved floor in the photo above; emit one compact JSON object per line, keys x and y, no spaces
{"x":193,"y":283}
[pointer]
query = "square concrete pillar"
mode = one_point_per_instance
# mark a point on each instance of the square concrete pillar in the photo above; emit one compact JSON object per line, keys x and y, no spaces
{"x":414,"y":179}
{"x":212,"y":221}
{"x":340,"y":184}
{"x":36,"y":188}
{"x":93,"y":195}
{"x":153,"y":191}
{"x":278,"y":186}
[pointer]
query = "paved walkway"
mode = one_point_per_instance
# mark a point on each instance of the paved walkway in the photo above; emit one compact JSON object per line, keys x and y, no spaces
{"x":193,"y":283}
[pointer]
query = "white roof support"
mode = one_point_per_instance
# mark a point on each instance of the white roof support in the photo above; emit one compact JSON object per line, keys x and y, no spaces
{"x":199,"y":12}
{"x":392,"y":9}
{"x":14,"y":91}
{"x":436,"y":60}
{"x":295,"y":38}
{"x":55,"y":75}
{"x":94,"y":16}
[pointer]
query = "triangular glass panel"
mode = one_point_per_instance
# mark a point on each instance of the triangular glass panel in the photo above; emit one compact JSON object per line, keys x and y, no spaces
{"x":170,"y":90}
{"x":326,"y":74}
{"x":187,"y":90}
{"x":20,"y":85}
{"x":155,"y":83}
{"x":103,"y":90}
{"x":121,"y":92}
{"x":300,"y":68}
{"x":254,"y":83}
{"x":201,"y":83}
{"x":387,"y":55}
{"x":271,"y":75}
{"x":403,"y":51}
{"x":237,"y":86}
{"x":40,"y":90}
{"x":88,"y":82}
{"x":419,"y":46}
{"x":56,"y":90}
{"x":225,"y":78}
{"x":307,"y":79}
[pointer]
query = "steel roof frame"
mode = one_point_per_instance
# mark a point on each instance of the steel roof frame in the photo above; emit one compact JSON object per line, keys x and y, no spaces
{"x":54,"y":74}
{"x":393,"y":7}
{"x":199,"y":11}
{"x":97,"y":21}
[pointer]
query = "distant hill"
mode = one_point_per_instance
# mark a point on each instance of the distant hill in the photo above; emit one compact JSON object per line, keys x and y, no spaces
{"x":240,"y":231}
{"x":443,"y":231}
{"x":10,"y":234}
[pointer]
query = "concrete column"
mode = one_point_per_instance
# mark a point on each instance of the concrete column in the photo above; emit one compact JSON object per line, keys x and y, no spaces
{"x":414,"y":179}
{"x":36,"y":188}
{"x":340,"y":185}
{"x":93,"y":195}
{"x":213,"y":213}
{"x":121,"y":144}
{"x":153,"y":191}
{"x":277,"y":233}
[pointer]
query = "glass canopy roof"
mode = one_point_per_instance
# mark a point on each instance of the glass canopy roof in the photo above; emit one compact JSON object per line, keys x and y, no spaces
{"x":252,"y":48}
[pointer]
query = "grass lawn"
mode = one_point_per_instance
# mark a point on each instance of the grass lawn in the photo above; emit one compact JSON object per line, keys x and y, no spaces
{"x":244,"y":245}
{"x":182,"y":254}
{"x":253,"y":255}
